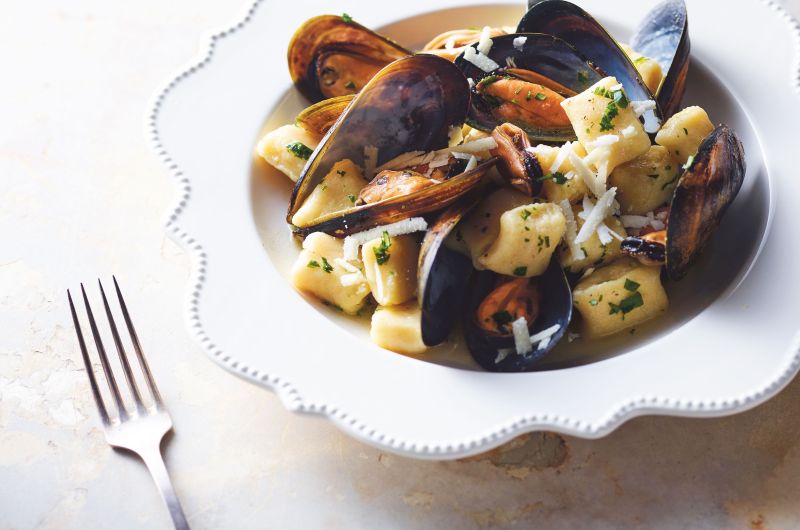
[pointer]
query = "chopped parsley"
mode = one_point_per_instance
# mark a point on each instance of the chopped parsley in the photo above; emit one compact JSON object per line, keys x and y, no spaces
{"x":488,"y":80}
{"x":529,"y":96}
{"x":313,"y":264}
{"x":521,"y":271}
{"x":631,"y":285}
{"x":541,"y":97}
{"x":525,"y":214}
{"x":350,"y":85}
{"x":300,"y":150}
{"x":556,"y":177}
{"x":327,"y":267}
{"x":382,"y":250}
{"x":543,"y":242}
{"x":352,"y":198}
{"x":347,"y":18}
{"x":502,"y":319}
{"x":341,"y":172}
{"x":514,"y":101}
{"x":640,"y":60}
{"x":627,"y":304}
{"x":606,"y":123}
{"x":585,"y":254}
{"x":685,"y":131}
{"x":583,"y":77}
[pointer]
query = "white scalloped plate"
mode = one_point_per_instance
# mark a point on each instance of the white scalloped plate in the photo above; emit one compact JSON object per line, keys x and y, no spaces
{"x":728,"y":343}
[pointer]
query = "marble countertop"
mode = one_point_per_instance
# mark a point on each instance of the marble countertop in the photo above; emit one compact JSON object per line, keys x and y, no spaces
{"x":82,"y":196}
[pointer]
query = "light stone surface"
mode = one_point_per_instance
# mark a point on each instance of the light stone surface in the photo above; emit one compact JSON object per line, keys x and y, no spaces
{"x":81,"y":196}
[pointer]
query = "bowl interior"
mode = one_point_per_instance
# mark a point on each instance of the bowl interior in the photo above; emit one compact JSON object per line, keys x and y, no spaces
{"x":719,"y":271}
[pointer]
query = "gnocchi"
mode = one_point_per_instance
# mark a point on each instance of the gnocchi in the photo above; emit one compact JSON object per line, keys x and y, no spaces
{"x":287,"y":149}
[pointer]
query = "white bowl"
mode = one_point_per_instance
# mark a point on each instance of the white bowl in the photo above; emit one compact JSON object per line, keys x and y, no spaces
{"x":728,"y":342}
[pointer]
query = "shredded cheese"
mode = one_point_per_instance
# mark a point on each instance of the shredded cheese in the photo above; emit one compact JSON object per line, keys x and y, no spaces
{"x":545,"y":335}
{"x":640,"y":107}
{"x":350,"y":249}
{"x":461,"y":156}
{"x":519,"y":42}
{"x":454,"y":136}
{"x":406,"y":226}
{"x":628,"y":131}
{"x":511,"y":62}
{"x":598,"y":214}
{"x":450,"y":43}
{"x":572,"y":230}
{"x":348,"y":280}
{"x":480,"y":60}
{"x":472,"y":164}
{"x":588,"y":176}
{"x":349,"y":267}
{"x":603,"y":141}
{"x":561,"y":157}
{"x":485,"y":41}
{"x":476,"y":146}
{"x":522,"y":338}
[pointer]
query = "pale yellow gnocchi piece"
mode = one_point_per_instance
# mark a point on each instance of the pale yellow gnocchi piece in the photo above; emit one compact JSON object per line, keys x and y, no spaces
{"x":593,"y":252}
{"x":274,"y":147}
{"x":683,"y":133}
{"x":480,"y":228}
{"x":619,"y":296}
{"x":526,"y":240}
{"x":398,"y":328}
{"x":390,"y":264}
{"x":587,"y":110}
{"x":573,"y":189}
{"x":646,"y":182}
{"x":318,"y":271}
{"x":336,"y":192}
{"x":648,"y":68}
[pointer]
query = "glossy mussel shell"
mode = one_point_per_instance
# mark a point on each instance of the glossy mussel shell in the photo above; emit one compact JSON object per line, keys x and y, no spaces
{"x":577,"y":27}
{"x":542,"y":59}
{"x":408,"y":106}
{"x":663,"y":35}
{"x":443,"y":274}
{"x":703,"y":195}
{"x":320,"y":117}
{"x":555,"y":308}
{"x":324,"y":43}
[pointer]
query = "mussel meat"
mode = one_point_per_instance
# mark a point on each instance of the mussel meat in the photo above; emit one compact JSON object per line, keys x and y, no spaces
{"x":333,"y":56}
{"x":663,"y":35}
{"x":516,"y":164}
{"x":536,"y":73}
{"x":443,"y":274}
{"x":495,"y":302}
{"x":569,"y":22}
{"x":704,"y":192}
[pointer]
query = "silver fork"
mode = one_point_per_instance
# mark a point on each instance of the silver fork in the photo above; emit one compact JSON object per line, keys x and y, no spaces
{"x":140,"y":431}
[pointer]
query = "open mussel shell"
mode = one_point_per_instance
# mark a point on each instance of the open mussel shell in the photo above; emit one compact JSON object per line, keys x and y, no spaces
{"x":663,"y":35}
{"x":443,"y":273}
{"x":542,"y":59}
{"x":704,"y":192}
{"x":332,"y":56}
{"x":555,"y":308}
{"x":431,"y":199}
{"x":408,"y":106}
{"x":320,"y":117}
{"x":577,"y":27}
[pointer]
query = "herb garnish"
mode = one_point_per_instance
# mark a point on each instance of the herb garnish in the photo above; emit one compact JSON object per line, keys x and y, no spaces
{"x":529,"y":96}
{"x":556,"y":177}
{"x":606,"y":123}
{"x":381,"y":251}
{"x":341,"y":172}
{"x":543,"y":242}
{"x":631,"y":285}
{"x":352,"y":198}
{"x":347,"y":18}
{"x":541,"y":97}
{"x":300,"y":150}
{"x":521,"y":271}
{"x":640,"y":60}
{"x":313,"y":264}
{"x":583,"y":77}
{"x":525,"y":214}
{"x":627,"y":304}
{"x":327,"y":267}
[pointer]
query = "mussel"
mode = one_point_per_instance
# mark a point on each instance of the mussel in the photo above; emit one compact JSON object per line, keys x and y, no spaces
{"x":663,"y":35}
{"x":320,"y":117}
{"x":443,"y":274}
{"x":703,"y":194}
{"x":410,"y":105}
{"x":518,"y":166}
{"x":333,"y":56}
{"x":569,"y":22}
{"x":495,"y":301}
{"x":536,"y":73}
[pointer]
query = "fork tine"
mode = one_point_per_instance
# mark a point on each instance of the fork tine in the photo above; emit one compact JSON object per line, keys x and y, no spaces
{"x":98,"y":399}
{"x":123,"y":356}
{"x":151,"y":383}
{"x":112,"y":382}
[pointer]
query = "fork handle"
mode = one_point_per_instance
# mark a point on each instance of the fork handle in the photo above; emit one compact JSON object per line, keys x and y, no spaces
{"x":155,"y":463}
